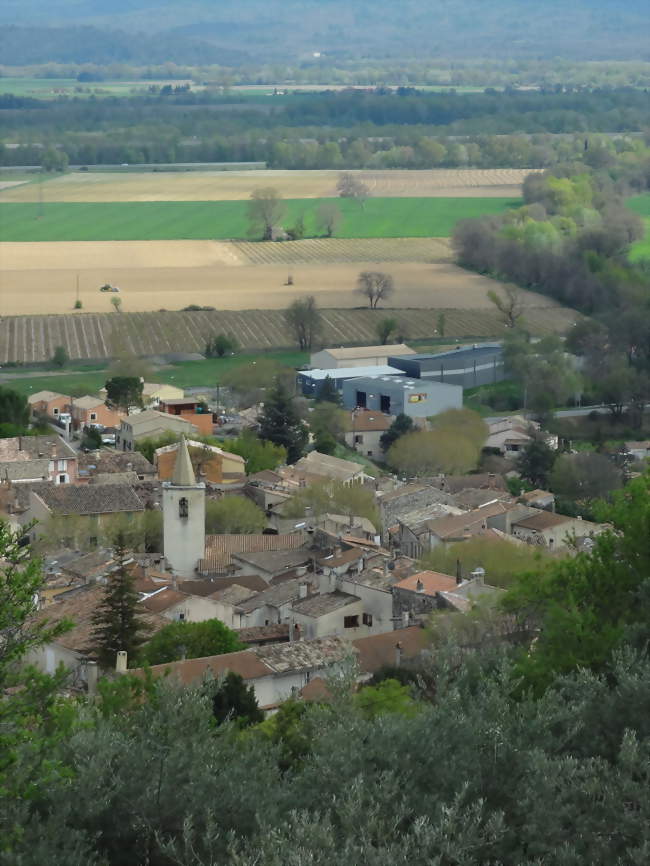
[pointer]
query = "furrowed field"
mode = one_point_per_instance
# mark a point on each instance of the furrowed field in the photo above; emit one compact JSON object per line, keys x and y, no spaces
{"x":30,"y":339}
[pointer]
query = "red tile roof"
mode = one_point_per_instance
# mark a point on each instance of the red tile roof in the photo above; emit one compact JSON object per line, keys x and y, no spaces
{"x":431,"y":581}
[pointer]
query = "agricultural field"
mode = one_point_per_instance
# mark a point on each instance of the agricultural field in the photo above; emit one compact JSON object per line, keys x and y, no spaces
{"x":202,"y":186}
{"x":641,"y":205}
{"x":31,"y":339}
{"x":155,"y":275}
{"x":219,"y":220}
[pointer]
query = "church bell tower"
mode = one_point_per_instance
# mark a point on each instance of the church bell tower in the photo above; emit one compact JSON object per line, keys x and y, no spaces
{"x":183,"y":516}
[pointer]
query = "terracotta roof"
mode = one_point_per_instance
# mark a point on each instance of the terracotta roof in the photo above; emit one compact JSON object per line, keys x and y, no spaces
{"x":455,"y":525}
{"x":208,"y":587}
{"x":327,"y":466}
{"x":365,"y":421}
{"x":316,"y":690}
{"x":79,"y":607}
{"x":273,"y":596}
{"x":147,"y":584}
{"x":267,"y":633}
{"x":219,"y":549}
{"x":319,"y":605}
{"x":532,"y":495}
{"x":15,"y":448}
{"x":378,"y":650}
{"x":275,"y":561}
{"x":88,"y":499}
{"x":428,"y":582}
{"x":163,"y":599}
{"x":245,"y":663}
{"x":342,"y":558}
{"x":542,"y":520}
{"x":304,"y":655}
{"x":45,"y":396}
{"x":87,"y":402}
{"x":233,"y":594}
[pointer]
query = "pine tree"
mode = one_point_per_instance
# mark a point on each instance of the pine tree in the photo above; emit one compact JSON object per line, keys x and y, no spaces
{"x":401,"y":425}
{"x":328,"y":393}
{"x":116,"y":622}
{"x":281,"y":424}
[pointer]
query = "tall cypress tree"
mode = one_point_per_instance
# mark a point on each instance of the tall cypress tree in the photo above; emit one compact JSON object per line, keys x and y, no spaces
{"x":281,"y":424}
{"x":117,"y":624}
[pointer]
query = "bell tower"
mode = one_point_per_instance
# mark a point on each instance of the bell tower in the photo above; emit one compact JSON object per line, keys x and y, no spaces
{"x":183,"y":516}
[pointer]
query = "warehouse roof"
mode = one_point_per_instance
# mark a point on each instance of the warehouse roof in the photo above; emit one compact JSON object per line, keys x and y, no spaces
{"x":343,"y":354}
{"x":350,"y":372}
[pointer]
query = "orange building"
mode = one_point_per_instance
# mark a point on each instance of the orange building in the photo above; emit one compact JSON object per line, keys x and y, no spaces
{"x":92,"y":410}
{"x":210,"y":463}
{"x":48,"y":403}
{"x":189,"y":410}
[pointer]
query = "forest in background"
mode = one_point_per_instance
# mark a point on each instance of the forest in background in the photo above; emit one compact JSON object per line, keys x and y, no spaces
{"x":153,"y":31}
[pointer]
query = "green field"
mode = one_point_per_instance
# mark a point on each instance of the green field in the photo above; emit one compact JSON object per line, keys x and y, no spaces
{"x":184,"y":374}
{"x":641,"y":205}
{"x":220,"y":220}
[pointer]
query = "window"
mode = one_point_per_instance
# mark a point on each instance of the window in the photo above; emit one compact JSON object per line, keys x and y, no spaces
{"x":92,"y":541}
{"x":63,"y":479}
{"x":367,"y":619}
{"x":362,"y":399}
{"x":358,"y":439}
{"x":369,"y":453}
{"x":54,"y":412}
{"x":181,"y":616}
{"x":62,"y":466}
{"x":93,"y":416}
{"x":183,"y":508}
{"x":351,"y":621}
{"x":384,"y":404}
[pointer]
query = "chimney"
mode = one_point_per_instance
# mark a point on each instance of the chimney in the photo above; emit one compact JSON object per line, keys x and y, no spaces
{"x":419,"y":586}
{"x":491,"y":480}
{"x":296,"y":633}
{"x":398,"y":654}
{"x":129,"y":467}
{"x":121,"y":662}
{"x":302,"y":589}
{"x":53,"y":451}
{"x":478,"y":574}
{"x":20,"y":443}
{"x":91,"y":679}
{"x":459,"y":572}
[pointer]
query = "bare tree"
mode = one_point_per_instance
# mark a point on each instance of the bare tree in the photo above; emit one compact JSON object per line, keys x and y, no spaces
{"x":375,"y":286}
{"x":328,"y":218}
{"x":304,"y":320}
{"x":350,"y":186}
{"x":265,"y":210}
{"x":509,"y":304}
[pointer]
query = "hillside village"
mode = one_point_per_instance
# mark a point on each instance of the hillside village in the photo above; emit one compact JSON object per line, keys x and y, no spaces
{"x":313,"y":580}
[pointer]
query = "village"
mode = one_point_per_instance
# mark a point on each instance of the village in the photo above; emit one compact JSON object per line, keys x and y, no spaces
{"x":314,"y":581}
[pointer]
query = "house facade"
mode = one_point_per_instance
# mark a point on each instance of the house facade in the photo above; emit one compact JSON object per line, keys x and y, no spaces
{"x":48,"y":403}
{"x":92,"y":410}
{"x":149,"y":425}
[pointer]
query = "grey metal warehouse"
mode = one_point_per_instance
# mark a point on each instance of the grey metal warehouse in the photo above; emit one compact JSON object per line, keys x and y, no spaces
{"x":393,"y":395}
{"x":310,"y":382}
{"x":468,"y":366}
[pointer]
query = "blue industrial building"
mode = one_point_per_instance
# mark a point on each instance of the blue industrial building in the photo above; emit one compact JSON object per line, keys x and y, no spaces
{"x":311,"y":381}
{"x":467,"y":366}
{"x":395,"y":395}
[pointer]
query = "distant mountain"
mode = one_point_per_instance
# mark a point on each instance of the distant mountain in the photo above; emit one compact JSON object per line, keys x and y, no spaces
{"x":210,"y":31}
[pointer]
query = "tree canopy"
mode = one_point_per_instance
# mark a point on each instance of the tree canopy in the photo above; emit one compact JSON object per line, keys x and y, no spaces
{"x":235,"y":514}
{"x":190,"y":640}
{"x":281,"y":424}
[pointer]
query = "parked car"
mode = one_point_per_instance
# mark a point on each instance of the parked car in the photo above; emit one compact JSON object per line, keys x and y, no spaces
{"x":107,"y":287}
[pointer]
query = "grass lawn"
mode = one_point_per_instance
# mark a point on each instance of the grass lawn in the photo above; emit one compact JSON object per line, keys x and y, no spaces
{"x":186,"y":374}
{"x":220,"y":220}
{"x":641,"y":205}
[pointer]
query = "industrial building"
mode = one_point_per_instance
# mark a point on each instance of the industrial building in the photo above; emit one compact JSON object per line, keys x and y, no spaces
{"x":467,"y":366}
{"x":394,"y":395}
{"x":311,"y":381}
{"x":357,"y":356}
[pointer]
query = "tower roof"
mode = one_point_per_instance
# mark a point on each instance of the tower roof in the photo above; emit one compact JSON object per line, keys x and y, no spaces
{"x":183,"y":470}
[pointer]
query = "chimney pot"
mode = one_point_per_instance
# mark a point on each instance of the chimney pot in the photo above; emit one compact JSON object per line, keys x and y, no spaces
{"x":302,"y":589}
{"x":398,"y":654}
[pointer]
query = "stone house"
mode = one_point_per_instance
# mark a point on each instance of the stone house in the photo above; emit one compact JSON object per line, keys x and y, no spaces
{"x":220,"y":550}
{"x":554,"y":531}
{"x":83,"y":511}
{"x":149,"y":425}
{"x":37,"y":458}
{"x":366,"y":430}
